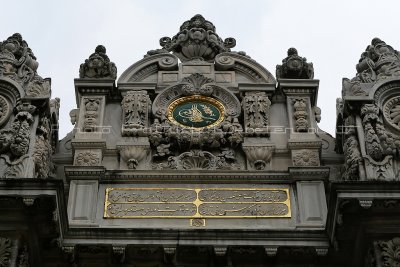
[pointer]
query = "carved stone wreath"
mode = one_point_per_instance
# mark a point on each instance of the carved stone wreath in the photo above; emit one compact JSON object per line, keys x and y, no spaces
{"x":4,"y":110}
{"x":391,"y":112}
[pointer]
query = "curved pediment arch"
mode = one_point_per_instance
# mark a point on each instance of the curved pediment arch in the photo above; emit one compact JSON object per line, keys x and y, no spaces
{"x":148,"y":66}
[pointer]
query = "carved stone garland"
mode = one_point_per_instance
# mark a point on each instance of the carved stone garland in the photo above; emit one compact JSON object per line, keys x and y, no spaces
{"x":351,"y":151}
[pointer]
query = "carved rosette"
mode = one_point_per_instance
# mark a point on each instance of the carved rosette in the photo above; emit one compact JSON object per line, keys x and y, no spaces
{"x":300,"y":114}
{"x":197,"y":40}
{"x":135,"y":112}
{"x":98,"y":65}
{"x":258,"y":155}
{"x":295,"y":67}
{"x":305,"y":158}
{"x":87,"y":158}
{"x":391,"y":112}
{"x":256,"y":107}
{"x":132,"y":155}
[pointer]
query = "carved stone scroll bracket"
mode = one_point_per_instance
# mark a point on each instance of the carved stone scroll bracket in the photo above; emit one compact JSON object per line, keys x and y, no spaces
{"x":271,"y":251}
{"x":88,"y":157}
{"x":119,"y":252}
{"x":258,"y":155}
{"x":133,"y":155}
{"x":220,"y":250}
{"x":383,"y":170}
{"x":69,"y":252}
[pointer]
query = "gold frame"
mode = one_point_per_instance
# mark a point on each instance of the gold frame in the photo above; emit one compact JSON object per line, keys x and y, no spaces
{"x":185,"y":99}
{"x":197,"y":202}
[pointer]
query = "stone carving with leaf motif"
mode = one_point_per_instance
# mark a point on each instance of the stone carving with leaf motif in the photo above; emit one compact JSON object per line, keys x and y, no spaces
{"x":201,"y":160}
{"x":390,"y":252}
{"x":197,"y":40}
{"x":5,"y":110}
{"x":351,"y":151}
{"x":256,"y":112}
{"x":98,"y":65}
{"x":5,"y":252}
{"x":43,"y":150}
{"x":87,"y":158}
{"x":294,"y":67}
{"x":18,"y":63}
{"x":135,"y":112}
{"x":305,"y":157}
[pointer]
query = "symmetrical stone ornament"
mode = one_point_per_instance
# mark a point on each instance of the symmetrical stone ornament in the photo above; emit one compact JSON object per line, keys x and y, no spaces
{"x":87,"y":158}
{"x":98,"y":65}
{"x":294,"y":67}
{"x":256,"y":113}
{"x":135,"y":111}
{"x":91,"y":115}
{"x":197,"y":40}
{"x":305,"y":157}
{"x":300,"y":115}
{"x":258,"y":155}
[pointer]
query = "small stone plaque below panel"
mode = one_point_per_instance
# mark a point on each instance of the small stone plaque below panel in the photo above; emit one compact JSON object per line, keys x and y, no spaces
{"x":196,"y":204}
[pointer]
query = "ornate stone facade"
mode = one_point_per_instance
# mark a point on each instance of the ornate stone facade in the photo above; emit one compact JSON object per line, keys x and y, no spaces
{"x":198,"y":156}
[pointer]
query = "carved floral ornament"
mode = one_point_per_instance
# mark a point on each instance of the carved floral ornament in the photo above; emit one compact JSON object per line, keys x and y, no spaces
{"x":87,"y":158}
{"x":5,"y":251}
{"x":197,"y":40}
{"x":390,"y":252}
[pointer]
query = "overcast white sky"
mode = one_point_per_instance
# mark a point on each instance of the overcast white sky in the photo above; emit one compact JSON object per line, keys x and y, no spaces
{"x":331,"y":34}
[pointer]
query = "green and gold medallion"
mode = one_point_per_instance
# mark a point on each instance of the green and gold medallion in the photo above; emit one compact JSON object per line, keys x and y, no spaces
{"x":196,"y":112}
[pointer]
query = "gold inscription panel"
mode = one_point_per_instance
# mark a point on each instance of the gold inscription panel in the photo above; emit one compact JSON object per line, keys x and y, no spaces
{"x":196,"y":203}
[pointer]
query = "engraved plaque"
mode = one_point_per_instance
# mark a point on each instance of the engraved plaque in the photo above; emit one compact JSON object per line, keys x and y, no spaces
{"x":196,"y":203}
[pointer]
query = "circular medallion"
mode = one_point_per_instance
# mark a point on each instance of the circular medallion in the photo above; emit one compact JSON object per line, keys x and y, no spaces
{"x":196,"y":112}
{"x":5,"y":110}
{"x":391,"y":112}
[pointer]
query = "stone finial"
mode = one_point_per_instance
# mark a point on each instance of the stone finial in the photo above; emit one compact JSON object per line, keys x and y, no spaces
{"x":197,"y":40}
{"x":295,"y":67}
{"x":18,"y":63}
{"x":98,"y":65}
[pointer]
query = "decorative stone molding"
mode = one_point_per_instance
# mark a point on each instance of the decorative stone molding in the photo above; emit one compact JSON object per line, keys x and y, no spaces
{"x":28,"y":201}
{"x":258,"y":155}
{"x":256,"y":107}
{"x":98,"y":65}
{"x":300,"y":114}
{"x":220,"y":251}
{"x":197,"y":40}
{"x":305,"y":157}
{"x":132,"y":155}
{"x":294,"y":67}
{"x":135,"y":112}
